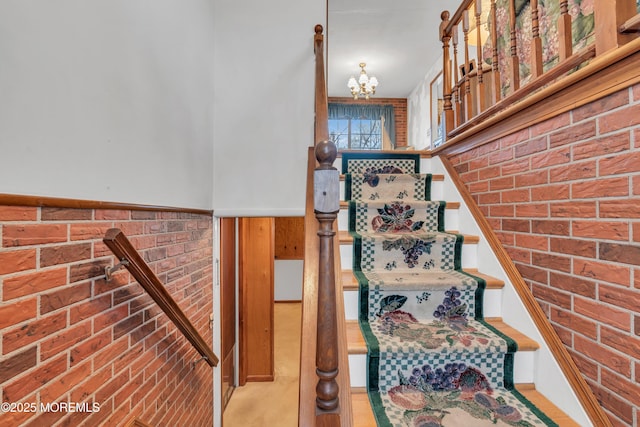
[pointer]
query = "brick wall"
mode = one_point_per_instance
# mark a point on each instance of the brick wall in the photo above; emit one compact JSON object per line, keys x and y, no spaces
{"x":67,"y":337}
{"x":399,"y":111}
{"x":564,"y":199}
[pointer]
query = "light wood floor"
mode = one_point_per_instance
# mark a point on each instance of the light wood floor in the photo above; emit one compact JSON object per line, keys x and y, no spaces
{"x":261,"y":404}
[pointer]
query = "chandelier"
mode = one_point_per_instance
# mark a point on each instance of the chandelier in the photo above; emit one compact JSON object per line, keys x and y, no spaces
{"x":364,"y":86}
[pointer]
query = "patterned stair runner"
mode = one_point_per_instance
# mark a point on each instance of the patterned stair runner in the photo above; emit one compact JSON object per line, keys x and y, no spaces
{"x":432,"y":360}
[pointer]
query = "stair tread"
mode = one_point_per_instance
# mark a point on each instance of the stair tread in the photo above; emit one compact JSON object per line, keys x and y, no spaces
{"x":361,"y":408}
{"x":524,"y":342}
{"x":344,"y":204}
{"x":357,"y":345}
{"x":350,"y":283}
{"x":347,"y":239}
{"x":552,"y":411}
{"x":363,"y":414}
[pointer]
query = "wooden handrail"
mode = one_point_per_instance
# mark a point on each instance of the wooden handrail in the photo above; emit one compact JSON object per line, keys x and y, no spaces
{"x":123,"y":250}
{"x":136,"y":422}
{"x":322,"y":102}
{"x":322,"y":299}
{"x":613,"y":23}
{"x":631,"y":25}
{"x":602,"y":76}
{"x":521,"y":94}
{"x":322,"y":271}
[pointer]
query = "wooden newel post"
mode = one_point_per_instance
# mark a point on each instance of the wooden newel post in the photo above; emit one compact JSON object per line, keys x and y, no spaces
{"x":326,"y":189}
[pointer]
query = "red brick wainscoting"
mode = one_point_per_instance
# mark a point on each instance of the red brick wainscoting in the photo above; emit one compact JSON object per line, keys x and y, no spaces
{"x":564,"y":199}
{"x":69,"y":337}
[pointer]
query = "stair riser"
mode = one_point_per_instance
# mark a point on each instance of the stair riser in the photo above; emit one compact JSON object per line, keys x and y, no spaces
{"x":469,"y":255}
{"x":492,"y":303}
{"x":437,"y":190}
{"x":450,"y":219}
{"x":523,"y":368}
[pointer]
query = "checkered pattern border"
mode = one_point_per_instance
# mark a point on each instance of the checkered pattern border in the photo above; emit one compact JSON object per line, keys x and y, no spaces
{"x":448,"y":260}
{"x":359,"y":162}
{"x":361,"y":166}
{"x":490,"y":363}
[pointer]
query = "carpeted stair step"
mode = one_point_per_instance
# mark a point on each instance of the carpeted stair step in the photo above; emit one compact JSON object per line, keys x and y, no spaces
{"x":344,"y":204}
{"x":347,"y":239}
{"x":363,"y":415}
{"x":469,"y":249}
{"x":356,"y":343}
{"x":492,"y":296}
{"x":350,"y":283}
{"x":437,"y":181}
{"x":357,"y":349}
{"x":450,"y":214}
{"x":435,"y":177}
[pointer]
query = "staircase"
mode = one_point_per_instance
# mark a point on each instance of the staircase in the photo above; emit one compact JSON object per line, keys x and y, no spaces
{"x":536,"y":374}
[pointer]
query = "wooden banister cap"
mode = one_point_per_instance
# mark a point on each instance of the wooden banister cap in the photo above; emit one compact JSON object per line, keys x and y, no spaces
{"x":326,"y":153}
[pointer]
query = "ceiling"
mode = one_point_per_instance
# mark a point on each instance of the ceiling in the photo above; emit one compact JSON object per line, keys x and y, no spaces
{"x":398,"y":40}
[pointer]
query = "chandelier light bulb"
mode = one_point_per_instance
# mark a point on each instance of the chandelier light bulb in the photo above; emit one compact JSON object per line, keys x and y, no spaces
{"x":373,"y":82}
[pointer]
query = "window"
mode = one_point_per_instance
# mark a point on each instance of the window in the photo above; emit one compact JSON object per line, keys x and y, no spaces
{"x":356,"y":133}
{"x":361,"y":126}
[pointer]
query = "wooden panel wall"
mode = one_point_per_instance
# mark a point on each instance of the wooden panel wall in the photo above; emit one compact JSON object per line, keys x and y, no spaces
{"x":289,"y":238}
{"x":256,"y":299}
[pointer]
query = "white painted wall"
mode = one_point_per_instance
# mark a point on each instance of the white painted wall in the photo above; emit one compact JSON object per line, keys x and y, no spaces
{"x":263,"y":104}
{"x":107,"y":100}
{"x":288,"y":275}
{"x":418,"y":110}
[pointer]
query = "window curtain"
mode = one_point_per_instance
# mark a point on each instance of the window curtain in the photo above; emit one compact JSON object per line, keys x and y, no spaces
{"x":369,"y":111}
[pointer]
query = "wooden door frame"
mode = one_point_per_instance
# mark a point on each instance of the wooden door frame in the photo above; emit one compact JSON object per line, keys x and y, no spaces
{"x":228,"y":262}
